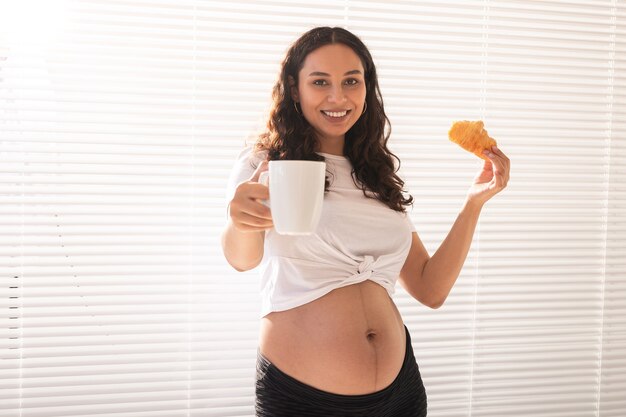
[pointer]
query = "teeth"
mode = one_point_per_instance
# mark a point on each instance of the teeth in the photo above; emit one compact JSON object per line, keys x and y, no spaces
{"x":335,"y":114}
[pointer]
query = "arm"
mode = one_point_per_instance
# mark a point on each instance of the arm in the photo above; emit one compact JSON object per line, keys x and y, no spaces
{"x":430,"y":279}
{"x":243,"y":237}
{"x":242,"y":250}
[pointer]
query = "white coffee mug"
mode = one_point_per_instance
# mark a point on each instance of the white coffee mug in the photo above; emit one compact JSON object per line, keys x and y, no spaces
{"x":296,"y":195}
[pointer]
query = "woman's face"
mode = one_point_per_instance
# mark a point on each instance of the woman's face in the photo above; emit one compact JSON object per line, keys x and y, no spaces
{"x":331,"y":81}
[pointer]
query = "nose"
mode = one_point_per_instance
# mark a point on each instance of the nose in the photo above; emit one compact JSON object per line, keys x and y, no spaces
{"x":336,"y":95}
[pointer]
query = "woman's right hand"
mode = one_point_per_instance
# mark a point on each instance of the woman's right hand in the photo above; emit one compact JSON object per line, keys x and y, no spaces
{"x":246,"y":212}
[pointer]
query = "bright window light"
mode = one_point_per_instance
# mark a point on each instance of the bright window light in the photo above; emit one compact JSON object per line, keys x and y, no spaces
{"x":31,"y":23}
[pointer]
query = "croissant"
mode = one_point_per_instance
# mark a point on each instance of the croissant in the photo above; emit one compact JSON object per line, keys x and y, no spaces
{"x":472,"y":137}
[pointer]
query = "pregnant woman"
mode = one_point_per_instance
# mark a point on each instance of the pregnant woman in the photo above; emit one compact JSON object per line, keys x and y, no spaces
{"x":332,"y":341}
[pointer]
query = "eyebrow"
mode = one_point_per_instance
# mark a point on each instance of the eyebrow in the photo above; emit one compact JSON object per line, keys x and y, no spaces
{"x":316,"y":73}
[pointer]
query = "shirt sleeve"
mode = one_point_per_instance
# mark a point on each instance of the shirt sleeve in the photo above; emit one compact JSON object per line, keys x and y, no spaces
{"x":243,"y":168}
{"x":409,"y":222}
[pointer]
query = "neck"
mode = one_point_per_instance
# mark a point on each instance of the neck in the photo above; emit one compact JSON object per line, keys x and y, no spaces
{"x":333,"y":146}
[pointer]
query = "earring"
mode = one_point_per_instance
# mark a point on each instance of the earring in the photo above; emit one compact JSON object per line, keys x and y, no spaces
{"x":295,"y":106}
{"x":364,"y":108}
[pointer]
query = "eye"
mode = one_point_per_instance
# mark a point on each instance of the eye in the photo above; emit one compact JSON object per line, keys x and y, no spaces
{"x":349,"y":81}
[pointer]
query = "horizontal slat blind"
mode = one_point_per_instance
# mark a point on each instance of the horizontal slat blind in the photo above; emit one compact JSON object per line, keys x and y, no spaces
{"x":97,"y":203}
{"x":613,"y":355}
{"x":119,"y":124}
{"x":539,"y":309}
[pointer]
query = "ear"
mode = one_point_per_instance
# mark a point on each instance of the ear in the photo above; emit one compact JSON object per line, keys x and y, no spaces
{"x":293,"y":88}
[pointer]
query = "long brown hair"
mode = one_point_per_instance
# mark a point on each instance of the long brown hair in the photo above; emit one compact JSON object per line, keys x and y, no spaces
{"x":288,"y":135}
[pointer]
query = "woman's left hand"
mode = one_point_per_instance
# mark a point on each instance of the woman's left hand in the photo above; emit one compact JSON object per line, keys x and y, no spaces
{"x":492,"y":178}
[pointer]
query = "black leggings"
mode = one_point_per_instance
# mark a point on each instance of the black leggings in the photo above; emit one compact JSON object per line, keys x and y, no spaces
{"x":280,"y":395}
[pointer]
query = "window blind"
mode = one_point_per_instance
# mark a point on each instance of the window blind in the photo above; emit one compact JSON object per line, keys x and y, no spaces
{"x":120,"y":121}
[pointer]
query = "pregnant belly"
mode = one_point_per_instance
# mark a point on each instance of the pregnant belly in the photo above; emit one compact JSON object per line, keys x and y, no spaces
{"x":350,"y":341}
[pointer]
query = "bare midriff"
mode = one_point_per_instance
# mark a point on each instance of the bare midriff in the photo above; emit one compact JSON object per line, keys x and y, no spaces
{"x":351,"y":341}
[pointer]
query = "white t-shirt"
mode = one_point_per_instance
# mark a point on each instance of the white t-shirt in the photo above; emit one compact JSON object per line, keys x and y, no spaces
{"x":357,"y":238}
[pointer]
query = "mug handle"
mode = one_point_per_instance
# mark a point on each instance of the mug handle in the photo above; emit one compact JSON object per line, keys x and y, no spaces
{"x":264,"y":179}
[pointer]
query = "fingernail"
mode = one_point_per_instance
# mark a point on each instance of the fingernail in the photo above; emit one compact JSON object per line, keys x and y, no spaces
{"x":486,"y":152}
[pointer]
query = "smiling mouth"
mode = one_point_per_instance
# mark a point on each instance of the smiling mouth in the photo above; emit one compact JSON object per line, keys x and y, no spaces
{"x":336,"y":114}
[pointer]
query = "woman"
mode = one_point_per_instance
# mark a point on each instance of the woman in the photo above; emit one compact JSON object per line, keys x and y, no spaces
{"x":332,"y":341}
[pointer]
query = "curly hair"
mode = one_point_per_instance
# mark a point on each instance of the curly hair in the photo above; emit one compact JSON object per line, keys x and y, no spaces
{"x":289,"y":136}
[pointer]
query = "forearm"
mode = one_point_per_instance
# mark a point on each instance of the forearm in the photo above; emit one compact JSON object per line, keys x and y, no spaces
{"x":444,"y":266}
{"x":243,"y":250}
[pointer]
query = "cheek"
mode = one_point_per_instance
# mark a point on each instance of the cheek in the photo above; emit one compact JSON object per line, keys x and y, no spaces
{"x":357,"y":95}
{"x":310,"y":96}
{"x":362,"y":93}
{"x":309,"y":102}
